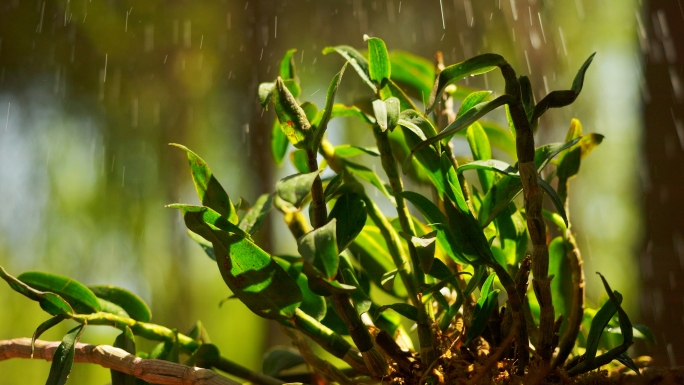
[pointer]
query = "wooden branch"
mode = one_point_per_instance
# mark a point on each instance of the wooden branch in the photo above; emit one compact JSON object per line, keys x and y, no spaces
{"x":152,"y":371}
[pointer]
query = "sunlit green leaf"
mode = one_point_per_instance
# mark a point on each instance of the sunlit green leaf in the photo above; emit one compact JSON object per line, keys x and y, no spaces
{"x":472,"y":100}
{"x":208,"y":188}
{"x":45,"y":326}
{"x":490,"y":165}
{"x":483,"y":310}
{"x":379,"y":67}
{"x":63,"y":358}
{"x":81,"y":299}
{"x":250,"y":273}
{"x":561,"y":285}
{"x":112,"y":308}
{"x":362,"y":303}
{"x":295,"y":188}
{"x":481,"y":150}
{"x":424,"y":247}
{"x":131,"y":303}
{"x":357,"y":61}
{"x":413,"y":71}
{"x":340,"y":110}
{"x":321,"y":123}
{"x":348,"y":151}
{"x":50,"y":302}
{"x":279,"y":143}
{"x":287,"y":65}
{"x":312,"y":304}
{"x":453,"y":73}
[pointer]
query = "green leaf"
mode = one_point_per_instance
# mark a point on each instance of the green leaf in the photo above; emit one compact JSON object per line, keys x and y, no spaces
{"x":295,"y":188}
{"x":465,"y":120}
{"x":369,"y":176}
{"x":555,"y":199}
{"x":598,"y":323}
{"x":279,"y":143}
{"x":287,"y":65}
{"x":499,"y":138}
{"x":81,"y":299}
{"x":255,"y":217}
{"x":628,"y":362}
{"x":63,"y":358}
{"x":417,"y":123}
{"x":280,"y":358}
{"x":405,"y":102}
{"x":544,"y":154}
{"x":125,"y":341}
{"x":387,"y":280}
{"x":199,"y":333}
{"x":312,"y":304}
{"x":490,"y":165}
{"x":557,"y":99}
{"x":300,"y":161}
{"x":453,"y":73}
{"x":424,"y":247}
{"x":357,"y":61}
{"x":208,"y":188}
{"x":340,"y":110}
{"x":210,"y":216}
{"x":293,"y":121}
{"x":481,"y":150}
{"x":310,"y":110}
{"x":487,"y":287}
{"x":50,"y":302}
{"x":350,"y":213}
{"x":483,"y":310}
{"x":513,"y":234}
{"x":131,"y":303}
{"x":204,"y":244}
{"x":348,"y":151}
{"x":472,"y":100}
{"x":408,"y":311}
{"x":387,"y":113}
{"x":250,"y":273}
{"x":319,"y":248}
{"x":206,"y":356}
{"x":265,"y":93}
{"x":379,"y":67}
{"x":362,"y":303}
{"x":321,"y":124}
{"x":414,"y":71}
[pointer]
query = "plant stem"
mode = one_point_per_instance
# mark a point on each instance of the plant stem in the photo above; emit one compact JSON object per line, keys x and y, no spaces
{"x":425,"y":317}
{"x":533,"y":195}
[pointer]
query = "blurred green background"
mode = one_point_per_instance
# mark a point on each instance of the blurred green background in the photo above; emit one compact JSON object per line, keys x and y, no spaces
{"x":91,"y":92}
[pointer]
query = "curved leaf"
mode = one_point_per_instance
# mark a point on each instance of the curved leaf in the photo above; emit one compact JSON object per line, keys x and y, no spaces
{"x":131,"y":303}
{"x":250,"y":273}
{"x":204,"y":244}
{"x":490,"y":165}
{"x":369,"y":176}
{"x":321,"y":125}
{"x":81,"y":299}
{"x":481,"y":150}
{"x":408,"y":311}
{"x":483,"y":310}
{"x":208,"y":188}
{"x":279,"y":143}
{"x":255,"y":217}
{"x":357,"y":61}
{"x":453,"y":73}
{"x":350,"y":213}
{"x":472,"y":100}
{"x":293,"y":120}
{"x":50,"y":302}
{"x":414,"y":71}
{"x":287,"y":65}
{"x":348,"y":151}
{"x":362,"y":303}
{"x":319,"y":248}
{"x":312,"y":304}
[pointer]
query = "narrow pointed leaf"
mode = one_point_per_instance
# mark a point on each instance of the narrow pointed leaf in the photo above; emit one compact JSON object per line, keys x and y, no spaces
{"x":208,"y":188}
{"x":379,"y":67}
{"x":357,"y":61}
{"x":130,"y":302}
{"x":319,"y":248}
{"x":250,"y":273}
{"x":341,"y":110}
{"x":287,"y":65}
{"x":453,"y":73}
{"x":255,"y":217}
{"x":490,"y":165}
{"x":295,"y":188}
{"x":387,"y":280}
{"x":350,"y":213}
{"x":333,"y":185}
{"x":293,"y":121}
{"x":210,"y":216}
{"x":483,"y":310}
{"x":472,"y":100}
{"x":322,"y":123}
{"x":45,"y":326}
{"x":424,"y":247}
{"x":312,"y":304}
{"x":557,"y":99}
{"x":561,"y":285}
{"x":348,"y":151}
{"x":481,"y":150}
{"x":300,"y":160}
{"x":487,"y":287}
{"x":63,"y":358}
{"x":81,"y":299}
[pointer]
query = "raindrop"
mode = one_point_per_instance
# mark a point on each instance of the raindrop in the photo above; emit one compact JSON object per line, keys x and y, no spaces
{"x":565,"y":49}
{"x":441,"y":9}
{"x":104,"y":75}
{"x":42,"y":13}
{"x":541,"y":26}
{"x":149,"y":38}
{"x":676,"y":83}
{"x":8,"y":113}
{"x":514,"y":10}
{"x":580,"y":9}
{"x":275,"y":29}
{"x":527,"y":59}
